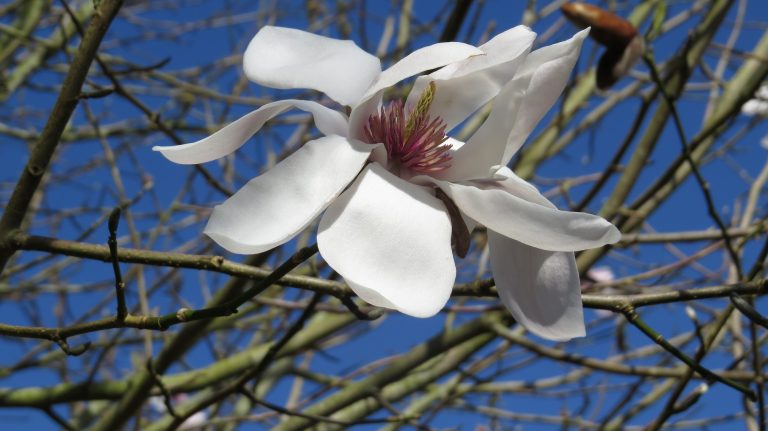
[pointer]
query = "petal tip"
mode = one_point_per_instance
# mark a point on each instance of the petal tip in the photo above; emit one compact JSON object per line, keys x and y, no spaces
{"x":559,"y":331}
{"x":164,"y":150}
{"x":172,"y":154}
{"x":614,"y":234}
{"x":421,"y":313}
{"x":563,"y":335}
{"x":233,"y":246}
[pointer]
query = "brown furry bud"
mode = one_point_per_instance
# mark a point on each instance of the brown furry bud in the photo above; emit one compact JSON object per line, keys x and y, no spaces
{"x":624,"y":46}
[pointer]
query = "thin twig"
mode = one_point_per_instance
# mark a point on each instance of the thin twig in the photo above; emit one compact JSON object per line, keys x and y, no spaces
{"x":632,"y":316}
{"x":160,"y":323}
{"x":256,"y":372}
{"x":354,"y":309}
{"x":703,"y":185}
{"x":18,"y":205}
{"x":114,"y":220}
{"x":748,"y":310}
{"x":167,"y":398}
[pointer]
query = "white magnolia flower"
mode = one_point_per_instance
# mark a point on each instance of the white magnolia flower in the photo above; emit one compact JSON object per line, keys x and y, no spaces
{"x":194,"y":422}
{"x":387,"y":177}
{"x":601,"y":274}
{"x":758,"y":105}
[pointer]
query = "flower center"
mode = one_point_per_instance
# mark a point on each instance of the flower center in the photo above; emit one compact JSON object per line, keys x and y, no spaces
{"x":414,"y":141}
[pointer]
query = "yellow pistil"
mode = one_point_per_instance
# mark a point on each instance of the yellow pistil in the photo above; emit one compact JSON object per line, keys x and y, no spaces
{"x":421,"y":110}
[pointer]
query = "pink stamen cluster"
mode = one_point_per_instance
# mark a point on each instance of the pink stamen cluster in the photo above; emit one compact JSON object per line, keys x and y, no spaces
{"x":415,"y":143}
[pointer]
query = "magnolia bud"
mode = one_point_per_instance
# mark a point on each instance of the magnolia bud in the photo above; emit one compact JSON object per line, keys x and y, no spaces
{"x":624,"y":45}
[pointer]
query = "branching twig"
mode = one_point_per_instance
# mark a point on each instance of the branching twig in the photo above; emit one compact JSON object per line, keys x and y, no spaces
{"x":167,"y":398}
{"x":256,"y":372}
{"x":632,"y":316}
{"x":163,"y":322}
{"x":17,"y":206}
{"x":703,"y":185}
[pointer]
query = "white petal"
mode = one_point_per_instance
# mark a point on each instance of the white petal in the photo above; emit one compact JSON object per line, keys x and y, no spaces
{"x":461,"y":163}
{"x":361,"y":113}
{"x":237,"y":133}
{"x":503,"y":179}
{"x":465,"y":86}
{"x":281,"y":57}
{"x":546,"y":71}
{"x":391,"y":241}
{"x":426,"y":58}
{"x":429,"y":57}
{"x":540,"y":288}
{"x":273,"y":207}
{"x":517,"y":109}
{"x":531,"y":223}
{"x":755,"y":107}
{"x":509,"y":181}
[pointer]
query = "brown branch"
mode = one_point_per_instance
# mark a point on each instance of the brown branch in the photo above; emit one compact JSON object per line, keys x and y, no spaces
{"x":480,"y":288}
{"x":62,"y":110}
{"x":458,"y":14}
{"x":160,"y":323}
{"x":114,"y":220}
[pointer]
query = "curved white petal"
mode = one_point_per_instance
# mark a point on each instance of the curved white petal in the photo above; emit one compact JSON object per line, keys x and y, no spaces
{"x":459,"y":163}
{"x":281,"y":57}
{"x":505,"y":46}
{"x":531,"y":223}
{"x":547,"y":71}
{"x":270,"y":209}
{"x":463,"y":87}
{"x":517,"y":109}
{"x":429,"y":57}
{"x":426,"y":58}
{"x":362,"y":112}
{"x":540,"y":288}
{"x":237,"y":133}
{"x":508,"y":181}
{"x":503,"y":179}
{"x":391,"y":241}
